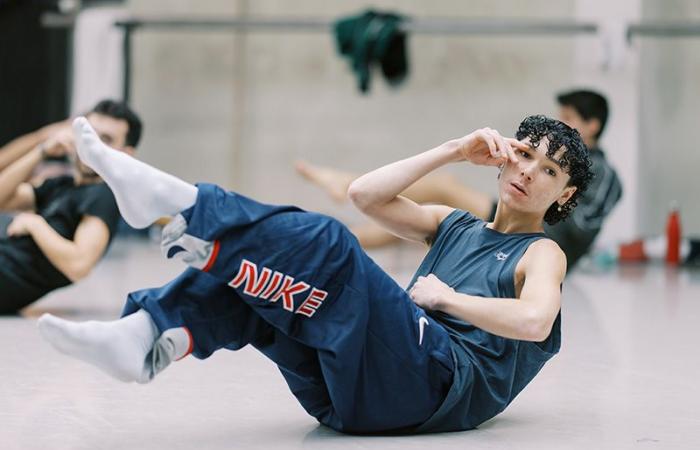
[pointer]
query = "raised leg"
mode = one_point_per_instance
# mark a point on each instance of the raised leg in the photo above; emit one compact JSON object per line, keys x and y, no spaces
{"x":143,"y":193}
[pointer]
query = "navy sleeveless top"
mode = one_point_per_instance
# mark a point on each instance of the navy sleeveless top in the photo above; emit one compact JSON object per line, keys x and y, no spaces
{"x":490,"y":370}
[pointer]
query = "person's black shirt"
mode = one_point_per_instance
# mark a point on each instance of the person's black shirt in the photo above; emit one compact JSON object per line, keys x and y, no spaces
{"x":25,"y":272}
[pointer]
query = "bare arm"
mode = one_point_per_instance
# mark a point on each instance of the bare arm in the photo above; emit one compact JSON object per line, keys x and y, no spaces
{"x":15,"y":192}
{"x":17,"y":148}
{"x":76,"y":258}
{"x":528,"y":318}
{"x":377,"y":193}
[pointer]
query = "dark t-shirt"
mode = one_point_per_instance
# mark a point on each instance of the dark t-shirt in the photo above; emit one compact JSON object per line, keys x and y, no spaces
{"x":490,"y":370}
{"x":25,"y":272}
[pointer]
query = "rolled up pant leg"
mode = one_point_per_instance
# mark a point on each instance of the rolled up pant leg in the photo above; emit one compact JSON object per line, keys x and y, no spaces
{"x":217,"y":318}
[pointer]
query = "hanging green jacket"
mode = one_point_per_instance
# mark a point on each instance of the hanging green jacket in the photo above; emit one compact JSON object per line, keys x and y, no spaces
{"x":370,"y":39}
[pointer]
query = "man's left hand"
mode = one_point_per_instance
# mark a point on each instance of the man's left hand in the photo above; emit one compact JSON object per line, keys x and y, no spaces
{"x":22,"y":223}
{"x":429,"y":292}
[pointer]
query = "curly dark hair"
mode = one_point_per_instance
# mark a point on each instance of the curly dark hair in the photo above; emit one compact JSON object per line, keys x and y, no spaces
{"x":575,"y":160}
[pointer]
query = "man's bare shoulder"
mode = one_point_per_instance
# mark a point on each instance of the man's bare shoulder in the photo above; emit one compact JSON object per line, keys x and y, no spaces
{"x":544,"y":254}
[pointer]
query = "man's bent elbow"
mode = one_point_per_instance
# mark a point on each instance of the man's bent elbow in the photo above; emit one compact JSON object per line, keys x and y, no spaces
{"x":536,"y":328}
{"x":77,"y":272}
{"x":359,"y":196}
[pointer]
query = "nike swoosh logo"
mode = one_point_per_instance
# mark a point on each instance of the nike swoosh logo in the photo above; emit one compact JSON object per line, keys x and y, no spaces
{"x":422,"y":322}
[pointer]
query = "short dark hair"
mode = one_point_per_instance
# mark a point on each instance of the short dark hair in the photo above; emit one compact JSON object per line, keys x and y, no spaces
{"x":121,"y":111}
{"x":588,"y":104}
{"x":575,"y":160}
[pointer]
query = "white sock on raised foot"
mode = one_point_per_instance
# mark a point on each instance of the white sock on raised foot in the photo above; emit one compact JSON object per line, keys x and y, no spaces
{"x":144,"y":193}
{"x":119,"y":348}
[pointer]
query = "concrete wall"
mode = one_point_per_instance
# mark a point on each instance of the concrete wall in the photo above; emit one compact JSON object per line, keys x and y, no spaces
{"x":238,"y":109}
{"x":669,"y":118}
{"x":183,"y":86}
{"x":609,"y":65}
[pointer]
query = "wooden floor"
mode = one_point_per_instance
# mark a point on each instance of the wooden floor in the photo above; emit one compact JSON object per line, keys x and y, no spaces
{"x":628,"y":376}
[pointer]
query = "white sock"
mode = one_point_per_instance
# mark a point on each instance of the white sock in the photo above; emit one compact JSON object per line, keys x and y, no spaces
{"x":119,"y":348}
{"x":144,"y":193}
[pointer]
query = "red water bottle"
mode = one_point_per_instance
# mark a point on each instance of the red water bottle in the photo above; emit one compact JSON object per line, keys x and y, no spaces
{"x":673,"y":236}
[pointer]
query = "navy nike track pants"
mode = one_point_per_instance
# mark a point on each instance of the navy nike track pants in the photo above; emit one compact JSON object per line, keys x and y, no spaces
{"x":352,"y":346}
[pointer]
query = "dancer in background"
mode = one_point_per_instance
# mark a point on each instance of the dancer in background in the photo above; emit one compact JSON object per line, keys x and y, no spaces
{"x":66,"y":223}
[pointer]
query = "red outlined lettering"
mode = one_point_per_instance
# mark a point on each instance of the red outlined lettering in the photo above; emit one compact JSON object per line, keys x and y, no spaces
{"x":312,"y":302}
{"x":287,"y":292}
{"x":279,"y":286}
{"x":274,"y":284}
{"x":248,"y":272}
